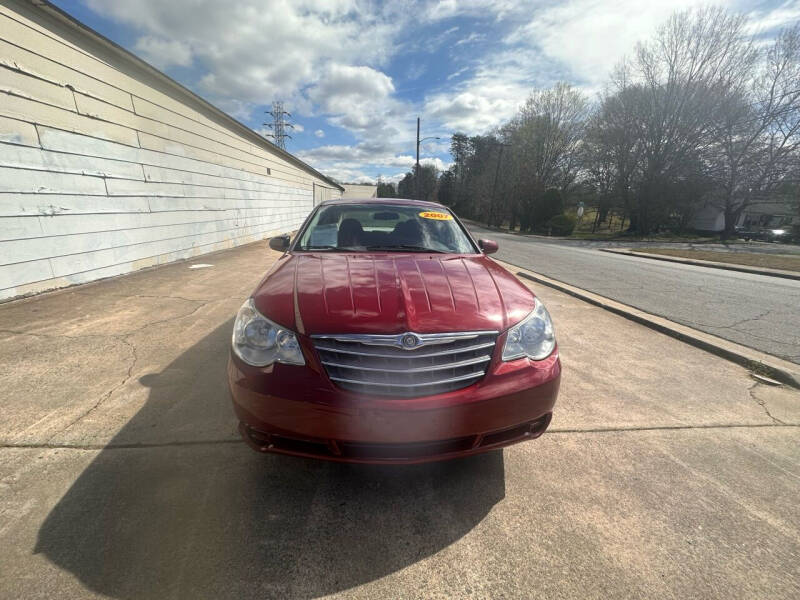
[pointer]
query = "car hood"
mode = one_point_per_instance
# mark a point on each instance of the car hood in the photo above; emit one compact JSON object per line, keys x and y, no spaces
{"x":391,"y":293}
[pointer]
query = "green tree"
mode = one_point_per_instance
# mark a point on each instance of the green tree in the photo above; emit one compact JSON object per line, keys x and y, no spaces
{"x":446,"y":188}
{"x":407,"y":188}
{"x":386,"y":190}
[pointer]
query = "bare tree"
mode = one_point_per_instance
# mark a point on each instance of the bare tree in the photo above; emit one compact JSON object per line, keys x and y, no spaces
{"x":687,"y":73}
{"x":699,"y":114}
{"x":613,"y":150}
{"x":545,"y":137}
{"x":758,"y":135}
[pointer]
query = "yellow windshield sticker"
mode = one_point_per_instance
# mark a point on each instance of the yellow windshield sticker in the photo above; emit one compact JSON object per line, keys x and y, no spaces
{"x":437,"y":216}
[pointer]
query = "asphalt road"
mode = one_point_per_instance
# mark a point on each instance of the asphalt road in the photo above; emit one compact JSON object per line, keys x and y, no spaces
{"x":754,"y":310}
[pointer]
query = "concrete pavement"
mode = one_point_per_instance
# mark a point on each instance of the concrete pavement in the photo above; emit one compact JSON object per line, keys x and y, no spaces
{"x":667,"y":472}
{"x":757,"y":311}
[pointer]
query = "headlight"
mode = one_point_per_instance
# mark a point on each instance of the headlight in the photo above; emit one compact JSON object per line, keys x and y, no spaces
{"x":260,"y":342}
{"x":532,"y":337}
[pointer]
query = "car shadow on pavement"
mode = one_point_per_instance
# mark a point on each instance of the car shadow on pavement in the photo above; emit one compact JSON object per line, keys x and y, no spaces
{"x":214,"y":519}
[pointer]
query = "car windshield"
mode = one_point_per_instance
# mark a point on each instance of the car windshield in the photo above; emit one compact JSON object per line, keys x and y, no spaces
{"x":384,"y":228}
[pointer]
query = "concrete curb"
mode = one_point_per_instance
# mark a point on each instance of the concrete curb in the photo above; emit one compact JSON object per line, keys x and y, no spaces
{"x":706,"y":263}
{"x":753,"y":360}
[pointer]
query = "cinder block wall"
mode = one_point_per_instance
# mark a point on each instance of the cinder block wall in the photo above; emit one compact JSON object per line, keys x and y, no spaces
{"x":108,"y":166}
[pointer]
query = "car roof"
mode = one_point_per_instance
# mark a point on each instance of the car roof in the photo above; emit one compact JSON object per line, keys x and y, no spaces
{"x":386,"y":201}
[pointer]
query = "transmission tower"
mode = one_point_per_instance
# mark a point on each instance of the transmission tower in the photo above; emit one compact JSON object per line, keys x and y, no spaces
{"x":279,"y":125}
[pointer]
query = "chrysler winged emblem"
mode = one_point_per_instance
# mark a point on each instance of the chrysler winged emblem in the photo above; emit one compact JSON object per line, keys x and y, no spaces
{"x":409,"y":341}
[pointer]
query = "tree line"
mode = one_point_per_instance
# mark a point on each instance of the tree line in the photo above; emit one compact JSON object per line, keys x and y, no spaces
{"x":706,"y":113}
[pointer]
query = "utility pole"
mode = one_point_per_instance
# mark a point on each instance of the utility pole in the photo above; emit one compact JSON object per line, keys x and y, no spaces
{"x":416,"y":167}
{"x":279,"y":125}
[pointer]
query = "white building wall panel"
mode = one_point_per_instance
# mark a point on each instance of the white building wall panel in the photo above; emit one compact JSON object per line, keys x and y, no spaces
{"x":107,"y":166}
{"x":12,"y":205}
{"x":60,"y":162}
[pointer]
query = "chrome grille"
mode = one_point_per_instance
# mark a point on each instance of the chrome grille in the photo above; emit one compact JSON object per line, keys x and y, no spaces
{"x":408,"y":364}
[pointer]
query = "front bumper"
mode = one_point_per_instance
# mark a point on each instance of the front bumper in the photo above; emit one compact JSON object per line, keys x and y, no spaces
{"x":297,"y":410}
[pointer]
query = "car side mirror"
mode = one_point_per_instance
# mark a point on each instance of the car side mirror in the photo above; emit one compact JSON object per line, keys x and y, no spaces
{"x":488,"y":246}
{"x":279,"y":243}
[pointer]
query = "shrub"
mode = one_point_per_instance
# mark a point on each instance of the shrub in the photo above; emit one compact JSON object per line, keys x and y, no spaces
{"x":561,"y":225}
{"x":538,"y":209}
{"x":547,"y":206}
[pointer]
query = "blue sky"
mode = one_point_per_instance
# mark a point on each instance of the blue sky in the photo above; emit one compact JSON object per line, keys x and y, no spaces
{"x":356,"y":74}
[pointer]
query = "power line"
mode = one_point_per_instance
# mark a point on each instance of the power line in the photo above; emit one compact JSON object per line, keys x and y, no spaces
{"x":279,"y":125}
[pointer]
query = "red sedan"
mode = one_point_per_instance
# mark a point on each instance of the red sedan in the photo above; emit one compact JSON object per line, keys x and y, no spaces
{"x":385,"y":334}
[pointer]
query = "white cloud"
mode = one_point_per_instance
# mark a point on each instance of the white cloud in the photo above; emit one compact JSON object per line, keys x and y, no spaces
{"x":588,"y":37}
{"x":438,"y":163}
{"x":436,"y":147}
{"x":361,"y":99}
{"x":392,"y":178}
{"x":432,"y":43}
{"x":786,"y":14}
{"x":162,"y":53}
{"x":364,"y":179}
{"x":578,"y":41}
{"x":299,"y":128}
{"x":350,"y":156}
{"x":332,"y":59}
{"x":471,"y":39}
{"x":482,"y":102}
{"x":415,"y":71}
{"x":445,"y":9}
{"x":255,"y":51}
{"x":350,"y":163}
{"x":343,"y":86}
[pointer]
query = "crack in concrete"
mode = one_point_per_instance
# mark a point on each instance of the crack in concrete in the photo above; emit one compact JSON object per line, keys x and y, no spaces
{"x":108,"y":394}
{"x":749,"y":319}
{"x":125,"y":340}
{"x":175,"y":318}
{"x":89,"y":294}
{"x":762,"y":403}
{"x":731,"y":326}
{"x":167,"y":297}
{"x":59,"y":335}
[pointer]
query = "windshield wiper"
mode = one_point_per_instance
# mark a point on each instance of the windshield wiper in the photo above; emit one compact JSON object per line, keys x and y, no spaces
{"x":330,"y":248}
{"x":407,"y":248}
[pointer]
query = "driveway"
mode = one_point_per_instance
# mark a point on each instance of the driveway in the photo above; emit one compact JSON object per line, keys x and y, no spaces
{"x":667,"y":472}
{"x":757,"y":311}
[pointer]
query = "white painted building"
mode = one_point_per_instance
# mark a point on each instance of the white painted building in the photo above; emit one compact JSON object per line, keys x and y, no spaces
{"x":767,"y":214}
{"x":352,"y":190}
{"x":108,"y":166}
{"x":709,"y":218}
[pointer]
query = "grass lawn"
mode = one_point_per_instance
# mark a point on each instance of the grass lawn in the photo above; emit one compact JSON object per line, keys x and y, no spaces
{"x":785,"y":262}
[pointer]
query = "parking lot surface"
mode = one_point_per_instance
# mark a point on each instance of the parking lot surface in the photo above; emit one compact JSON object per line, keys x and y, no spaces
{"x":667,"y":472}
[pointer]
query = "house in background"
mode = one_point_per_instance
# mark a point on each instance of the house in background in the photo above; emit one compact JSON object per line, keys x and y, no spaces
{"x":766,"y":215}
